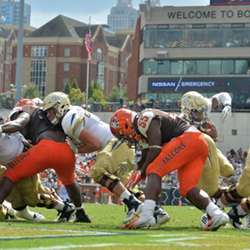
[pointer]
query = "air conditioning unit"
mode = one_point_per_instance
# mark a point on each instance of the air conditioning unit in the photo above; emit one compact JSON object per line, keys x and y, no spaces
{"x":162,"y":53}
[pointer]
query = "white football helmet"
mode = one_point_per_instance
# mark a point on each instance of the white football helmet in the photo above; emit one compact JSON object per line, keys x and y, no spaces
{"x":191,"y":102}
{"x":59,"y":101}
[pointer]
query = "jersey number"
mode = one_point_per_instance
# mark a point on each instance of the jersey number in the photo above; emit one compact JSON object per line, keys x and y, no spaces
{"x":143,"y":121}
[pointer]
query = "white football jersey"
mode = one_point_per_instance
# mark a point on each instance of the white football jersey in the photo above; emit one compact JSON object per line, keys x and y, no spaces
{"x":11,"y":145}
{"x":78,"y":119}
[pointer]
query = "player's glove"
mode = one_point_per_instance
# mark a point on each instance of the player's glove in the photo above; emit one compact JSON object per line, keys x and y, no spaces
{"x":226,"y":112}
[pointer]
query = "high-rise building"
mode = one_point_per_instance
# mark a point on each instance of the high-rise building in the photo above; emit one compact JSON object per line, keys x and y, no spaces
{"x":153,"y":3}
{"x":9,"y":12}
{"x":122,"y":16}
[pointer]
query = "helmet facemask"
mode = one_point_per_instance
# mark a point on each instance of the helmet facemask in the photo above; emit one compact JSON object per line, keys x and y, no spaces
{"x":196,"y":116}
{"x":194,"y":107}
{"x":56,"y":105}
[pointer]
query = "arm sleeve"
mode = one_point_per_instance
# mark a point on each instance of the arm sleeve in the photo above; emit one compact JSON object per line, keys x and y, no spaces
{"x":224,"y":99}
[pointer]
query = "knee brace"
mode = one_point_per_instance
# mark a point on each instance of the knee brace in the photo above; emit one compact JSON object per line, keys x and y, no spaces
{"x":109,"y":181}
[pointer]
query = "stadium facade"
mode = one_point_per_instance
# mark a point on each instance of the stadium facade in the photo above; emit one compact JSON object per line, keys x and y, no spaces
{"x":202,"y":48}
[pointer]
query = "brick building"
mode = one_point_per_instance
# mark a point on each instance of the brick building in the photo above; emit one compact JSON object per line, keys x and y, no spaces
{"x":8,"y":37}
{"x":55,"y":54}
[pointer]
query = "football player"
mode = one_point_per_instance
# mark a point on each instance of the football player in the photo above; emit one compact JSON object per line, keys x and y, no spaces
{"x":194,"y":110}
{"x":172,"y":145}
{"x":219,"y":102}
{"x":49,"y":151}
{"x":86,"y":134}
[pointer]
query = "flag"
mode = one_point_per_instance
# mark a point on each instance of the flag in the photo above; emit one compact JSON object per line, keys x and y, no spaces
{"x":89,"y":45}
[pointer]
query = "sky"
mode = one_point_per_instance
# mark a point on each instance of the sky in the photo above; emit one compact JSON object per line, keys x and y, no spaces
{"x":44,"y":10}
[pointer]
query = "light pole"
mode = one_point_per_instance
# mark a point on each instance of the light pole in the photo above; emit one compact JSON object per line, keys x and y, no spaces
{"x":19,"y":59}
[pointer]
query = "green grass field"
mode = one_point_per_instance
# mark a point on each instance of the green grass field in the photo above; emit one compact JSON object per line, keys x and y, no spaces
{"x":182,"y":232}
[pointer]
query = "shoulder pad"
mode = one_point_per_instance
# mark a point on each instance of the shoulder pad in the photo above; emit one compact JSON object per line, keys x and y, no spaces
{"x":144,"y":120}
{"x":72,"y":120}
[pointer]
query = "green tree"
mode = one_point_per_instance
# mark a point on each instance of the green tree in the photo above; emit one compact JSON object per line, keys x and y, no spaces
{"x":96,"y":94}
{"x":115,"y":94}
{"x":30,"y":91}
{"x":72,"y":83}
{"x":76,"y":96}
{"x":118,"y":93}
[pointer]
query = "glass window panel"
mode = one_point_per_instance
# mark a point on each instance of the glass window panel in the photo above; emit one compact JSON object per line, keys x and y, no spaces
{"x":227,"y":67}
{"x":202,"y":67}
{"x":150,"y":67}
{"x":190,"y":67}
{"x":66,"y":52}
{"x":38,"y":73}
{"x":241,"y":66}
{"x":215,"y":67}
{"x":176,"y":67}
{"x":163,"y":67}
{"x":66,"y":67}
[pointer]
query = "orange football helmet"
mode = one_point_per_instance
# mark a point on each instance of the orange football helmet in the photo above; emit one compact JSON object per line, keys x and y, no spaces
{"x":24,"y":102}
{"x":121,"y":125}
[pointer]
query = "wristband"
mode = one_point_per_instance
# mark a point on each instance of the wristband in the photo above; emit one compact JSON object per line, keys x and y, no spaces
{"x":155,"y":146}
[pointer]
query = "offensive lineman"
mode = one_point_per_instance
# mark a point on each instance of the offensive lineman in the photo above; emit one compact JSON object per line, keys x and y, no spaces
{"x":28,"y":191}
{"x":49,"y":151}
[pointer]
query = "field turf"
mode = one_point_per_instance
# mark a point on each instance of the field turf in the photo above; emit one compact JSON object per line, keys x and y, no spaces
{"x":181,"y":232}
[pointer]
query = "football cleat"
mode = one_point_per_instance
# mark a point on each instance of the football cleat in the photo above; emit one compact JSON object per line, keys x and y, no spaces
{"x":67,"y":214}
{"x":137,"y":219}
{"x":161,"y":216}
{"x":141,"y":221}
{"x":209,"y":223}
{"x":235,"y":218}
{"x":30,"y":215}
{"x":81,"y":216}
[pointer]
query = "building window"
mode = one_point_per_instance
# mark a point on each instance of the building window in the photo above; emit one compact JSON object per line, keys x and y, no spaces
{"x":65,"y":82}
{"x":227,"y":67}
{"x":38,"y":75}
{"x":241,"y":66}
{"x":39,"y":51}
{"x":196,"y":36}
{"x":100,"y":74}
{"x":98,"y":55}
{"x":190,"y":67}
{"x":176,"y":67}
{"x":214,"y":67}
{"x":150,"y":67}
{"x":202,"y":67}
{"x":66,"y":52}
{"x":195,"y":67}
{"x":163,"y":67}
{"x":66,"y":67}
